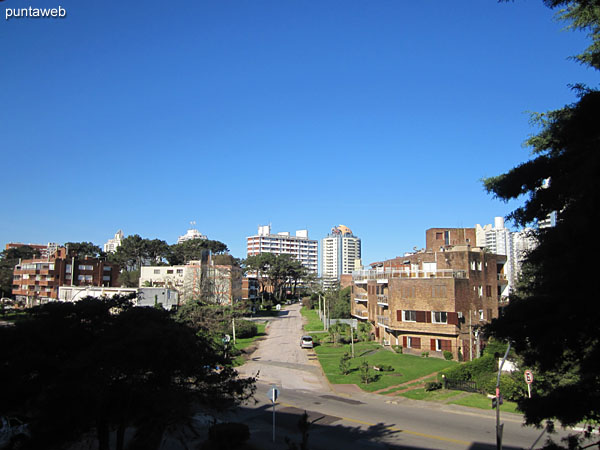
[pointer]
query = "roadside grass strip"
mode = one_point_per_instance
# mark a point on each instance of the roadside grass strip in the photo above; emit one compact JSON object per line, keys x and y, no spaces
{"x":313,"y":323}
{"x":483,"y":402}
{"x":244,"y":343}
{"x":406,"y":367}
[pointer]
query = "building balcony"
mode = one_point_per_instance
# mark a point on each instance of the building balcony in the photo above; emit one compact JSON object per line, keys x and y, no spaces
{"x":382,"y":300}
{"x":383,"y":320}
{"x":364,"y":314}
{"x":360,"y":297}
{"x":382,"y":276}
{"x":502,"y":278}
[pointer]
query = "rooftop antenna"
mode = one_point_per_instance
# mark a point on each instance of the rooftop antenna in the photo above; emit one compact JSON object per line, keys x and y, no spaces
{"x":192,"y":223}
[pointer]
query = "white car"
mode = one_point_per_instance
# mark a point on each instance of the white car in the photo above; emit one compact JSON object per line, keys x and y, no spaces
{"x":306,"y":342}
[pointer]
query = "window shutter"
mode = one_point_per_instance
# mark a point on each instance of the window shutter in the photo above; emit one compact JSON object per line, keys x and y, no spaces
{"x":427,"y":316}
{"x":377,"y":332}
{"x":399,"y":315}
{"x":453,"y":318}
{"x":420,"y":316}
{"x":433,"y":345}
{"x":417,"y":343}
{"x":446,"y":345}
{"x":404,"y":343}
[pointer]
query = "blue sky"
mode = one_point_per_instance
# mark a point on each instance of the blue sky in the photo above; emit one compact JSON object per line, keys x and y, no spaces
{"x":381,"y":115}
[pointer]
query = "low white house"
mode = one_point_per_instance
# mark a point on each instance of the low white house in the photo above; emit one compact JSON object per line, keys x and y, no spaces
{"x":145,"y":296}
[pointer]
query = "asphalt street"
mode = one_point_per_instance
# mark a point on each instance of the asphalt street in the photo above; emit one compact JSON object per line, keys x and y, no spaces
{"x":347,"y":418}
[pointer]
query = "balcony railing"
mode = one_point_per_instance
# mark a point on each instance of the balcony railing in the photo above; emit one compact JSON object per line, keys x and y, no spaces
{"x":382,"y":300}
{"x":363,"y":275}
{"x":361,"y":314}
{"x":383,"y":320}
{"x":360,"y":297}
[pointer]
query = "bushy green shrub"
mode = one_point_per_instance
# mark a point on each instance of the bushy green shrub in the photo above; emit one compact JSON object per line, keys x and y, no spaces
{"x":448,"y":355}
{"x":227,"y":435}
{"x":495,"y":348}
{"x":397,"y":348}
{"x":433,"y":386}
{"x":472,"y":370}
{"x":243,"y":329}
{"x":385,"y":368}
{"x":512,"y":386}
{"x":425,"y":354}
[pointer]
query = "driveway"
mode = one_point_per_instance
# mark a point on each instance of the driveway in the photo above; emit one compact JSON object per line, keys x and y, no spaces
{"x":281,"y":361}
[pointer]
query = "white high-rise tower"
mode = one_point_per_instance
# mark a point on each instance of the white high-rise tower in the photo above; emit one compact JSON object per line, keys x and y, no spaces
{"x":340,"y":252}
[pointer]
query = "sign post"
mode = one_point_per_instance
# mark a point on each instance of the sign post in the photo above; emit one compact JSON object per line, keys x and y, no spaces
{"x":528,"y":380}
{"x":273,"y":395}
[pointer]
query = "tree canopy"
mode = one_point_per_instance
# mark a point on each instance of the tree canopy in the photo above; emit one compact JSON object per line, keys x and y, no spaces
{"x":82,"y":249}
{"x":194,"y":250}
{"x":104,"y":365}
{"x":277,"y":274}
{"x":552,"y":318}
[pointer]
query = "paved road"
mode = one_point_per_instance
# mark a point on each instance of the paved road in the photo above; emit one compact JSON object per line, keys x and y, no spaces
{"x":280,"y":359}
{"x":357,"y":419}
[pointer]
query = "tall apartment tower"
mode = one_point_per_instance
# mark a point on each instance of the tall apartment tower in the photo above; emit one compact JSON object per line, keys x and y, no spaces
{"x":341,"y":253}
{"x":299,"y":246}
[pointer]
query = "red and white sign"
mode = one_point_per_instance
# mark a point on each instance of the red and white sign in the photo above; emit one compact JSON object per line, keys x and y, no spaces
{"x":528,"y":377}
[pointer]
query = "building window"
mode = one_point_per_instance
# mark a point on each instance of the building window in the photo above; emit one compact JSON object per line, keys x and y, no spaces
{"x":106,"y":277}
{"x":169,"y":271}
{"x":438,"y":291}
{"x":85,"y":267}
{"x":413,"y":342}
{"x":409,"y":316}
{"x":179,"y":271}
{"x":439,"y":317}
{"x":479,"y":265}
{"x":440,"y":345}
{"x":156,"y":271}
{"x":439,"y":236}
{"x":107,"y":268}
{"x":472,"y":265}
{"x":68,"y":268}
{"x":481,"y":314}
{"x":480,"y":290}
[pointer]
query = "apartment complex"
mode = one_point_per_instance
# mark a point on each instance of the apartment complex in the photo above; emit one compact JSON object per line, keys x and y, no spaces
{"x":434,"y":300}
{"x":514,"y":245}
{"x":38,"y":280}
{"x":112,"y":244}
{"x":340,"y":253}
{"x":220,"y":284}
{"x":44,"y":250}
{"x":299,"y":246}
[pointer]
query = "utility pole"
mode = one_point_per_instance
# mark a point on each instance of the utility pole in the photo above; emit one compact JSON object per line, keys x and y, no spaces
{"x":499,"y":427}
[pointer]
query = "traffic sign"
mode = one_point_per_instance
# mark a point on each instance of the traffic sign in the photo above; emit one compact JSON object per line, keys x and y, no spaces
{"x":273,"y":394}
{"x":226,"y":339}
{"x":528,"y":377}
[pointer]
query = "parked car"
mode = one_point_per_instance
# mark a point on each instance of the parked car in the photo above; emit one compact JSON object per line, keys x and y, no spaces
{"x":13,"y":433}
{"x":306,"y":342}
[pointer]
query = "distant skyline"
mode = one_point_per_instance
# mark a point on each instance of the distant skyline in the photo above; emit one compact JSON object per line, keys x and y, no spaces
{"x":382,"y":115}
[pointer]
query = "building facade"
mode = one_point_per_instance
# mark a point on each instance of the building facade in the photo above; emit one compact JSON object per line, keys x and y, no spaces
{"x":340,"y":255}
{"x":219,"y":284}
{"x":432,"y":300}
{"x":190,"y":235}
{"x":38,"y":280}
{"x":112,"y":244}
{"x":299,"y":246}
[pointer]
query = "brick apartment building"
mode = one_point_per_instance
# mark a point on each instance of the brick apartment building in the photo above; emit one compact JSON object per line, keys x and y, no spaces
{"x":37,"y":280}
{"x":432,"y":300}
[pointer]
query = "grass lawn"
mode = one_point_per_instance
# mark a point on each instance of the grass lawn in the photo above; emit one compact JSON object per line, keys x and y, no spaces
{"x":406,"y":367}
{"x":482,"y":402}
{"x":241,"y":344}
{"x":441,"y":395}
{"x":313,"y":322}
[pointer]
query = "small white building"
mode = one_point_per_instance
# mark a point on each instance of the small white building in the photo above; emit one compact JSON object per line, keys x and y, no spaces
{"x":191,"y":234}
{"x":145,"y":296}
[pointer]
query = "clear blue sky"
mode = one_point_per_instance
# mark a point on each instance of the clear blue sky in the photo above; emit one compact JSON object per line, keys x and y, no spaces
{"x":382,"y":115}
